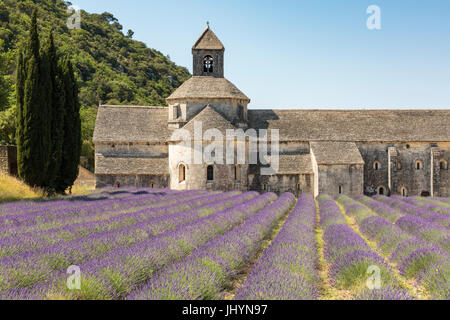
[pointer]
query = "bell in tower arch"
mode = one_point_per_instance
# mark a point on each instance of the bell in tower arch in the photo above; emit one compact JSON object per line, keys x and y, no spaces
{"x":208,"y":54}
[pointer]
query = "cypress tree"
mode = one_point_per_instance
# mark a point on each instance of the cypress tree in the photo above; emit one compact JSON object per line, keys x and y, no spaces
{"x":34,"y":132}
{"x":57,"y":100}
{"x":71,"y":149}
{"x":20,"y":83}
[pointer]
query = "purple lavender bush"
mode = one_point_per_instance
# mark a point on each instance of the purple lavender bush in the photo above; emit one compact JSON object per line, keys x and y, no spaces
{"x":288,"y":268}
{"x":348,"y":255}
{"x":205,"y":274}
{"x":410,"y":209}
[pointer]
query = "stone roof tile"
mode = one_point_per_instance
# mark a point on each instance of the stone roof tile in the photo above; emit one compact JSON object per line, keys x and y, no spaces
{"x":295,"y":164}
{"x":355,"y":125}
{"x":131,"y":124}
{"x":335,"y":153}
{"x":131,"y":165}
{"x":202,"y":87}
{"x":210,"y":119}
{"x":208,"y":41}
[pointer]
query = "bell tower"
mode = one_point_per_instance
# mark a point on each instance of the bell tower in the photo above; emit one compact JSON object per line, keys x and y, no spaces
{"x":208,"y":53}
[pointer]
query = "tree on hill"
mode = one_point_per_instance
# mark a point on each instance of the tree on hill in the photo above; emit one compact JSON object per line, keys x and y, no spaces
{"x":71,"y":147}
{"x":109,"y":65}
{"x":33,"y":121}
{"x":48,"y":116}
{"x":57,"y":100}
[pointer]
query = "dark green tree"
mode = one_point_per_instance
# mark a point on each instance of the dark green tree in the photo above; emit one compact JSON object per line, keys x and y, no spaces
{"x":57,"y":100}
{"x":33,"y":132}
{"x":71,"y":150}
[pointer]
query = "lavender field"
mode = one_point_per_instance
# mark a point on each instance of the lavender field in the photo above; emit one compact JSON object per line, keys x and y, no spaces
{"x":158,"y":244}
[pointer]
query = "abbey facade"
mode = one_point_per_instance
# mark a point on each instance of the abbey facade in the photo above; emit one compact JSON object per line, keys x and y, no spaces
{"x":320,"y":151}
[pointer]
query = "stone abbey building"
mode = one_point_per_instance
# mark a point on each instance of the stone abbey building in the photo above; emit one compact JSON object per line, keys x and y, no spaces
{"x":320,"y":151}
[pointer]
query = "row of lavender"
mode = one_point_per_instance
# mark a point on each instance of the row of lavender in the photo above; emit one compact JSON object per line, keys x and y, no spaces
{"x":158,"y":219}
{"x":405,"y":240}
{"x":351,"y":258}
{"x":30,"y":267}
{"x":422,"y":223}
{"x":61,"y":213}
{"x":287,"y":270}
{"x":114,"y":272}
{"x":208,"y":271}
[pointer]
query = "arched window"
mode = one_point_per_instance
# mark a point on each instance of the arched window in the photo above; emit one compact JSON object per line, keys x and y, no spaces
{"x":152,"y":185}
{"x":208,"y":64}
{"x":237,"y":172}
{"x":341,"y":189}
{"x":381,"y":190}
{"x":376,"y":166}
{"x":443,"y":164}
{"x":210,"y":173}
{"x":419,"y":165}
{"x":264,"y":187}
{"x":182,"y":173}
{"x":299,"y":187}
{"x":404,"y":192}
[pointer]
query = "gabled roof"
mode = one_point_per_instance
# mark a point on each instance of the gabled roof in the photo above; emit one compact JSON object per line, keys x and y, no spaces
{"x":355,"y":125}
{"x":210,"y":119}
{"x":295,"y":164}
{"x":329,"y":152}
{"x":289,"y":164}
{"x":208,"y":41}
{"x":207,"y":88}
{"x":131,"y":124}
{"x":131,"y":165}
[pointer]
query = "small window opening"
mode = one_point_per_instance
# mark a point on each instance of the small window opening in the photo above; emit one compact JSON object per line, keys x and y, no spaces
{"x":210,"y":173}
{"x":376,"y":165}
{"x":419,"y":165}
{"x":237,"y":173}
{"x":443,"y":164}
{"x":182,"y":173}
{"x":341,"y":189}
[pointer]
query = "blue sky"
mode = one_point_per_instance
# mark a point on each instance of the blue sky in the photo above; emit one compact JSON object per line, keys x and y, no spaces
{"x":308,"y":53}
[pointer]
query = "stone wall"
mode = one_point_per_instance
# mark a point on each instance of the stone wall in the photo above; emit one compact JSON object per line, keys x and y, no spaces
{"x":196,"y":174}
{"x":345,"y":179}
{"x":134,"y":149}
{"x":295,"y":184}
{"x":398,"y":172}
{"x":140,"y":181}
{"x":375,"y":179}
{"x":130,"y":173}
{"x":191,"y":107}
{"x":8,"y":160}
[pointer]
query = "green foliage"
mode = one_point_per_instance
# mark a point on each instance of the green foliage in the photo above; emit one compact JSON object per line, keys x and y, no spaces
{"x":33,"y":130}
{"x":71,"y":150}
{"x":48,"y":115}
{"x":110,"y":66}
{"x":57,"y":103}
{"x":8,"y":126}
{"x":88,"y":117}
{"x":5,"y":84}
